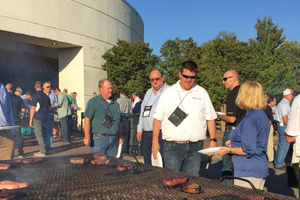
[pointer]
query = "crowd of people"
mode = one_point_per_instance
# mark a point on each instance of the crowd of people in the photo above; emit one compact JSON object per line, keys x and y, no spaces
{"x":173,"y":122}
{"x":40,"y":110}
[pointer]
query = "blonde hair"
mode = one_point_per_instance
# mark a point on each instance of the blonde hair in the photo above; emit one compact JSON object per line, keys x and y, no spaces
{"x":251,"y":96}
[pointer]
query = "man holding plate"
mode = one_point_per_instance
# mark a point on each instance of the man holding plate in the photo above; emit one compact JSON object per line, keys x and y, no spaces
{"x":184,"y":112}
{"x":233,"y":116}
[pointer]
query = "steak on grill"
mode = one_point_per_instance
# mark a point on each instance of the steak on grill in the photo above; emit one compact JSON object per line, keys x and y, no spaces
{"x":9,"y":185}
{"x":78,"y":160}
{"x":29,"y":160}
{"x":4,"y":166}
{"x":124,"y":167}
{"x":99,"y":156}
{"x":192,"y":188}
{"x":99,"y":161}
{"x":6,"y":195}
{"x":175,"y":181}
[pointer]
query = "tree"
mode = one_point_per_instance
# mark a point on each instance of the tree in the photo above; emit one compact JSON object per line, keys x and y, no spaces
{"x":128,"y":66}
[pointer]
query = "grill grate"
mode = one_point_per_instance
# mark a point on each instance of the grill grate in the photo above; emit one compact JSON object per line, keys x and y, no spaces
{"x":56,"y":178}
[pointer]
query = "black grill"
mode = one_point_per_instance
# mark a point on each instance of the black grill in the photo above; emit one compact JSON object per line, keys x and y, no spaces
{"x":57,"y":178}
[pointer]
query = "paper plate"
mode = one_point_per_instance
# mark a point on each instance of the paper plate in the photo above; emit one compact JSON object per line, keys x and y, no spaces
{"x":221,"y":113}
{"x":209,"y":150}
{"x":8,"y":127}
{"x":158,"y":162}
{"x":119,"y":151}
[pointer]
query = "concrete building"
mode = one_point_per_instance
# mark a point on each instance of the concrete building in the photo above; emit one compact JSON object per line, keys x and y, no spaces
{"x":62,"y":41}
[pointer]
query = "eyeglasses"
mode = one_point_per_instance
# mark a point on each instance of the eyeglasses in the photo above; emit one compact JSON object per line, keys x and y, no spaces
{"x":154,"y":79}
{"x":186,"y":76}
{"x":225,"y":78}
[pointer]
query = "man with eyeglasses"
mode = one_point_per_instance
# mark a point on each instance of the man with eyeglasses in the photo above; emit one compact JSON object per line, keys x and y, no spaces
{"x":50,"y":121}
{"x":233,"y":117}
{"x":184,"y":112}
{"x":145,"y":126}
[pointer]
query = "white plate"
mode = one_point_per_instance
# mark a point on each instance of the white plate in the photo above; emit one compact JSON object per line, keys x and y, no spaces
{"x":158,"y":162}
{"x":8,"y":127}
{"x":221,"y":113}
{"x":209,"y":150}
{"x":119,"y":151}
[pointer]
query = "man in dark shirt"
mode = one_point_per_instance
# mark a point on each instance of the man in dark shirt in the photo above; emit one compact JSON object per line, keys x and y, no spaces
{"x":233,"y":117}
{"x":271,"y":102}
{"x":40,"y":106}
{"x":18,"y":107}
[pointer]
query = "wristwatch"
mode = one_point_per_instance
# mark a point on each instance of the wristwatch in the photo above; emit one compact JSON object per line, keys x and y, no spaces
{"x":214,"y":139}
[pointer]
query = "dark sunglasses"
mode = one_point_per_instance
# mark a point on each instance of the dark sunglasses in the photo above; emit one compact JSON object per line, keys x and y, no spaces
{"x":225,"y":78}
{"x":191,"y":77}
{"x":154,"y":79}
{"x":48,"y":87}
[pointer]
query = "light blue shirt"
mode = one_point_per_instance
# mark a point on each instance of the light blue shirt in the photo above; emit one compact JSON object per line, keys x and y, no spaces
{"x":283,"y":109}
{"x":146,"y":123}
{"x":53,"y":100}
{"x":6,"y":112}
{"x":25,"y":101}
{"x":75,"y":105}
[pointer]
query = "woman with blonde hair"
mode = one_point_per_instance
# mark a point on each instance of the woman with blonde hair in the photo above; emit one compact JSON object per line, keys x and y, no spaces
{"x":249,"y":140}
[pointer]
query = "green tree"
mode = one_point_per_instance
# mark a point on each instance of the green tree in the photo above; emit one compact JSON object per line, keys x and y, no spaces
{"x":128,"y":66}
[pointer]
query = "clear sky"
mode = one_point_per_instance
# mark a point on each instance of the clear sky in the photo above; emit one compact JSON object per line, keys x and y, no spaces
{"x":202,"y":20}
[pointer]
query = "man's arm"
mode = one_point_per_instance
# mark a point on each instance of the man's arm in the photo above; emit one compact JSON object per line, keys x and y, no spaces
{"x":155,"y":144}
{"x":290,"y":139}
{"x":87,"y":131}
{"x":120,"y":134}
{"x":32,"y":111}
{"x":285,"y":119}
{"x":211,"y":125}
{"x":226,"y":118}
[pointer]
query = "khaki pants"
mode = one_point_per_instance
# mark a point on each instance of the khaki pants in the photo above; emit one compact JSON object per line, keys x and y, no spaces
{"x":6,"y":145}
{"x":295,"y":159}
{"x":270,"y":150}
{"x":257,"y":182}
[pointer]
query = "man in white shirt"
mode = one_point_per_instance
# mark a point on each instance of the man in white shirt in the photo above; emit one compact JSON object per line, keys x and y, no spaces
{"x":282,"y":116}
{"x":135,"y":98}
{"x":185,"y":111}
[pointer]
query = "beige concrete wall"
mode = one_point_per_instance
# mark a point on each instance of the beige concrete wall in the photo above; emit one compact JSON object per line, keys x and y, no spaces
{"x":83,"y":30}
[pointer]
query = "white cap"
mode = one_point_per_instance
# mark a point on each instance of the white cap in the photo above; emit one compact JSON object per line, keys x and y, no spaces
{"x":288,"y":91}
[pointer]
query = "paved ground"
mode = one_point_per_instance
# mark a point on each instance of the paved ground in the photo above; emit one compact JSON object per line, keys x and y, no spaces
{"x":276,"y":181}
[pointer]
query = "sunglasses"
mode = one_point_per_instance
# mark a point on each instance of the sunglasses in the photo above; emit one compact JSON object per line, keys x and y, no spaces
{"x":225,"y":78}
{"x":154,"y":79}
{"x":48,"y":87}
{"x":186,"y":76}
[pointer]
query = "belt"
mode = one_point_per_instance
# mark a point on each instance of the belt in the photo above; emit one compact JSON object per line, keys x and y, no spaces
{"x":181,"y":142}
{"x":228,"y":128}
{"x":107,"y":135}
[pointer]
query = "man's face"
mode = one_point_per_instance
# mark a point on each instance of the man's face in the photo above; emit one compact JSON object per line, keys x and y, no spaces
{"x":187,"y":79}
{"x":74,"y":96}
{"x":28,"y":96}
{"x":273,"y":103}
{"x":56,"y":92}
{"x":46,"y":88}
{"x":228,"y":80}
{"x":157,"y":81}
{"x":290,"y":97}
{"x":106,"y":90}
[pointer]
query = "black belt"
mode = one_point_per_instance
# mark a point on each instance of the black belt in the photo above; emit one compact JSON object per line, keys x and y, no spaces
{"x":107,"y":135}
{"x":228,"y":128}
{"x":181,"y":142}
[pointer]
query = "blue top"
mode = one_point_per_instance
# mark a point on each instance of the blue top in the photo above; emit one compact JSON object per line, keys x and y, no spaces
{"x":6,"y":112}
{"x":44,"y":101}
{"x":283,"y":109}
{"x":252,"y":135}
{"x":53,"y":100}
{"x":137,"y":107}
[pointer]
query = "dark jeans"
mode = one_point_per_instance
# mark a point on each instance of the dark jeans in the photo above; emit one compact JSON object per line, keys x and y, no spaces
{"x":107,"y":145}
{"x":49,"y":130}
{"x":19,"y":139}
{"x":147,"y":145}
{"x":64,"y":128}
{"x":183,"y":157}
{"x":70,"y":124}
{"x":226,"y":159}
{"x":39,"y":130}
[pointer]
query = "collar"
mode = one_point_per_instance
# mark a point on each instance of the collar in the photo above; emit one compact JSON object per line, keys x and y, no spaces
{"x":102,"y":99}
{"x":179,"y":89}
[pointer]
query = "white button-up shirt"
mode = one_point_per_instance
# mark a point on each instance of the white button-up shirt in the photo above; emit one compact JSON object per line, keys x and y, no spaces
{"x":283,"y":109}
{"x":195,"y":102}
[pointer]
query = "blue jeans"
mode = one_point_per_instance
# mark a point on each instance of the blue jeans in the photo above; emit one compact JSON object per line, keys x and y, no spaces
{"x":147,"y":145}
{"x":19,"y":139}
{"x":282,"y":147}
{"x":107,"y":145}
{"x":183,"y":157}
{"x":39,"y":130}
{"x":49,"y":130}
{"x":226,"y":159}
{"x":64,"y":129}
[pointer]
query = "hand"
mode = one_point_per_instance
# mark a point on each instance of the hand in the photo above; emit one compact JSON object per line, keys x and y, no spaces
{"x":223,"y":151}
{"x":218,"y":116}
{"x":155,"y":149}
{"x":30,"y":123}
{"x":139,"y":136}
{"x":212,"y":144}
{"x":86,"y":141}
{"x":120,"y":141}
{"x":228,"y":143}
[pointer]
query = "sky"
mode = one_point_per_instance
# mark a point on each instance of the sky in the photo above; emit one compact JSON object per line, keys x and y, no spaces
{"x":202,"y":20}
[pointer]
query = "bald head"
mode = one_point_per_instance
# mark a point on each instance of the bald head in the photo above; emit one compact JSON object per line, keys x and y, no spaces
{"x":9,"y":87}
{"x":231,"y":79}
